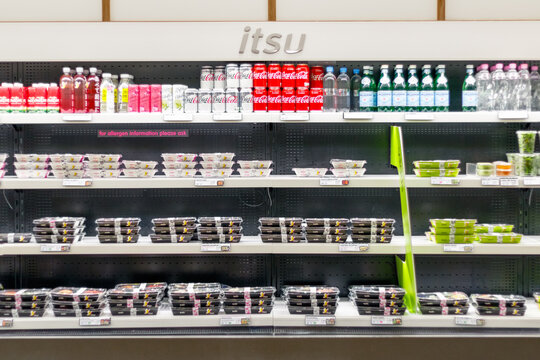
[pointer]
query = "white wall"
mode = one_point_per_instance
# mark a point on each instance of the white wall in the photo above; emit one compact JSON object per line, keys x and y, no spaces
{"x":189,"y":10}
{"x":492,"y":10}
{"x":313,"y":10}
{"x":50,"y":10}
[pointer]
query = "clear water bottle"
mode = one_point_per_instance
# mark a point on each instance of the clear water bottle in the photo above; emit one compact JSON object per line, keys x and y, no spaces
{"x":524,"y":91}
{"x":500,"y":88}
{"x":484,"y":86}
{"x":535,"y":89}
{"x":329,"y":90}
{"x":512,"y":95}
{"x":343,"y":91}
{"x":356,"y":83}
{"x":469,"y":94}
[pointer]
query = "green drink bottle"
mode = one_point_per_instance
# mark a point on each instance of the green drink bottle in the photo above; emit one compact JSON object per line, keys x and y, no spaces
{"x":469,"y":94}
{"x":384,"y":90}
{"x":413,"y":90}
{"x":399,"y":93}
{"x":442,"y":91}
{"x":368,"y":91}
{"x":427,"y":90}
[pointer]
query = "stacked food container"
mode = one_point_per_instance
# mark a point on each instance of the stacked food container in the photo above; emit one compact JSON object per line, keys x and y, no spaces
{"x":173,"y":230}
{"x":139,"y":169}
{"x":439,"y":168}
{"x":216,"y":164}
{"x":347,"y":168}
{"x":443,"y":303}
{"x":247,"y":168}
{"x":281,"y":229}
{"x":59,"y":230}
{"x":118,"y":230}
{"x":86,"y":302}
{"x":103,"y":165}
{"x":372,"y":230}
{"x":15,"y":238}
{"x":527,"y":162}
{"x":502,"y":305}
{"x":311,"y":300}
{"x":497,"y":234}
{"x":220,"y":229}
{"x":3,"y":159}
{"x":248,"y":300}
{"x":452,"y":231}
{"x":327,"y":230}
{"x":24,"y":302}
{"x":67,"y":166}
{"x":179,"y":164}
{"x":136,"y":299}
{"x":377,"y":300}
{"x":31,"y":165}
{"x":195,"y":298}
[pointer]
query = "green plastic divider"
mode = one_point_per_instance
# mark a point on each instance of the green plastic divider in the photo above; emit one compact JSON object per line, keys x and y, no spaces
{"x":405,"y":269}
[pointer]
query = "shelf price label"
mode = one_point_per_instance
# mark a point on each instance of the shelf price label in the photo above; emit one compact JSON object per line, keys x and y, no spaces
{"x":6,"y":323}
{"x":420,"y":116}
{"x":357,"y":116}
{"x":469,"y":321}
{"x":227,"y":117}
{"x":77,"y":117}
{"x":294,"y":117}
{"x":312,"y":320}
{"x":55,"y":248}
{"x":513,"y":115}
{"x":333,"y":182}
{"x":458,"y":248}
{"x":77,"y":182}
{"x":98,"y":321}
{"x":386,"y":320}
{"x":178,"y":117}
{"x":209,"y":182}
{"x":531,"y":181}
{"x":353,"y":247}
{"x":509,"y":181}
{"x":490,"y":181}
{"x":235,"y":321}
{"x":445,"y":181}
{"x":215,"y":247}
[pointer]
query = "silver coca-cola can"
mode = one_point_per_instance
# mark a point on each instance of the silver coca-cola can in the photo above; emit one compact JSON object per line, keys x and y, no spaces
{"x":219,"y":77}
{"x":246,"y":100}
{"x":205,"y":100}
{"x":232,"y":72}
{"x":218,"y":101}
{"x":207,"y":77}
{"x":191,"y":103}
{"x":246,"y":76}
{"x":231,"y":100}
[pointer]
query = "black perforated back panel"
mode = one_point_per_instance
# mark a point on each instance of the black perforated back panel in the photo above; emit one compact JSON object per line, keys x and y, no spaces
{"x":9,"y":271}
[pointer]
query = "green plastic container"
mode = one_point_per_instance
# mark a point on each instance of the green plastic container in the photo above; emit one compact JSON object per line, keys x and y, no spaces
{"x":452,"y":231}
{"x":452,"y":223}
{"x":436,"y":164}
{"x":499,"y":238}
{"x":485,"y":166}
{"x":493,"y":228}
{"x":436,"y":172}
{"x":482,"y":172}
{"x":526,"y":165}
{"x":452,"y":239}
{"x":526,"y":141}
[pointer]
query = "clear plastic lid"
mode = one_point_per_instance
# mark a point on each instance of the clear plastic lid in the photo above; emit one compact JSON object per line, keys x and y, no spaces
{"x":59,"y":222}
{"x":220,"y":221}
{"x":258,"y":292}
{"x":311,"y":292}
{"x":118,"y":222}
{"x":373,"y":222}
{"x":327,"y":222}
{"x":443,"y":299}
{"x":499,"y":300}
{"x":377,"y":291}
{"x":281,"y":221}
{"x":77,"y":294}
{"x":24,"y":294}
{"x":174,"y":221}
{"x":194,"y":291}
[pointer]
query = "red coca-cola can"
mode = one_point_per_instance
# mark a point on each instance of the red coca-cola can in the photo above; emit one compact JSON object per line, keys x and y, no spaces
{"x":316,"y":76}
{"x":315,"y":99}
{"x":302,"y":75}
{"x":288,"y":76}
{"x":302,"y":99}
{"x":260,"y":99}
{"x":288,"y":99}
{"x":274,"y":98}
{"x":274,"y":76}
{"x":260,"y":76}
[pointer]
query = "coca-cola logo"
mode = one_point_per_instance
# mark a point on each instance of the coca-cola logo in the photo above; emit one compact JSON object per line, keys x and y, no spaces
{"x":263,"y":99}
{"x":192,"y":99}
{"x":316,"y":77}
{"x":303,"y":99}
{"x":233,"y":75}
{"x":218,"y":99}
{"x":232,"y":99}
{"x":219,"y":77}
{"x":248,"y":98}
{"x":288,"y":76}
{"x":260,"y":75}
{"x":316,"y":99}
{"x":302,"y":75}
{"x":274,"y":75}
{"x":288,"y":99}
{"x":274,"y":99}
{"x":246,"y":75}
{"x":208,"y":77}
{"x":205,"y":99}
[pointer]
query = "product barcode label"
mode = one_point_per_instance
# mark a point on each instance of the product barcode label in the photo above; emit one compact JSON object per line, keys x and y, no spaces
{"x":77,"y":182}
{"x":215,"y":247}
{"x":209,"y":182}
{"x":98,"y":321}
{"x":509,"y":181}
{"x":353,"y":247}
{"x":77,"y":117}
{"x":490,"y":181}
{"x":445,"y":181}
{"x":334,"y":182}
{"x":513,"y":115}
{"x":294,"y":117}
{"x":227,"y":117}
{"x":457,"y":247}
{"x":235,"y":321}
{"x":531,"y":181}
{"x":312,"y":320}
{"x":357,"y":115}
{"x":6,"y":323}
{"x":55,"y":248}
{"x":420,"y":116}
{"x":178,"y":117}
{"x":469,"y":321}
{"x":386,"y":320}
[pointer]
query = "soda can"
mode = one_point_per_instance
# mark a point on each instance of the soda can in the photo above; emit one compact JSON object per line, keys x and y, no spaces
{"x":53,"y":98}
{"x":260,"y":76}
{"x":207,"y":77}
{"x":288,"y":100}
{"x":274,"y":99}
{"x":144,"y":98}
{"x":218,"y":101}
{"x":178,"y":98}
{"x":232,"y":72}
{"x":246,"y":100}
{"x":191,"y":105}
{"x":260,"y":99}
{"x":5,"y":94}
{"x":167,"y":99}
{"x":219,"y":77}
{"x":274,"y":76}
{"x":205,"y":100}
{"x":246,"y":76}
{"x":302,"y":99}
{"x":288,"y":76}
{"x":316,"y":77}
{"x":302,"y":75}
{"x":315,"y":99}
{"x":155,"y":98}
{"x":231,"y":100}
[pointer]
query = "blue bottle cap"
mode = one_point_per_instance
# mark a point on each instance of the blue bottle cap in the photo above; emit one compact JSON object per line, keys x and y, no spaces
{"x":330,"y":69}
{"x":356,"y":71}
{"x":343,"y":70}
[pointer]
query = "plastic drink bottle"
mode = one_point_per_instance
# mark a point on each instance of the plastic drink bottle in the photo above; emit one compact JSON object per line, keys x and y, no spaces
{"x":116,"y":83}
{"x":92,"y":91}
{"x":469,"y":94}
{"x":123,"y":94}
{"x":413,"y":90}
{"x":79,"y":91}
{"x":399,"y":91}
{"x":368,"y":91}
{"x":343,"y":97}
{"x":329,"y":90}
{"x":485,"y":89}
{"x":512,"y":92}
{"x":427,"y":90}
{"x":384,"y":90}
{"x":442,"y":92}
{"x":535,"y":89}
{"x":107,"y":94}
{"x":524,"y":91}
{"x":500,"y":88}
{"x":356,"y":81}
{"x":66,"y":91}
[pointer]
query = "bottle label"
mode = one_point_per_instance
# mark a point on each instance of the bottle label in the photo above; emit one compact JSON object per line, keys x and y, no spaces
{"x":427,"y":98}
{"x":442,"y":98}
{"x":413,"y":98}
{"x":399,"y":98}
{"x":125,"y":95}
{"x":384,"y":98}
{"x":470,"y":98}
{"x":104,"y":95}
{"x":115,"y":95}
{"x":367,"y":99}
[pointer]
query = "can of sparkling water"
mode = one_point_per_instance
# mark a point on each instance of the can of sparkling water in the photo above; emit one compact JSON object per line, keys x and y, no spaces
{"x":205,"y":100}
{"x":191,"y":97}
{"x":178,"y":98}
{"x":246,"y":100}
{"x":232,"y":72}
{"x":167,"y":99}
{"x":231,"y":100}
{"x":218,"y":101}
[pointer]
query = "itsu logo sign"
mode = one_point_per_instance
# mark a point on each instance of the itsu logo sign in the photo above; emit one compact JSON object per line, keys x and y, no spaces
{"x":272,"y":41}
